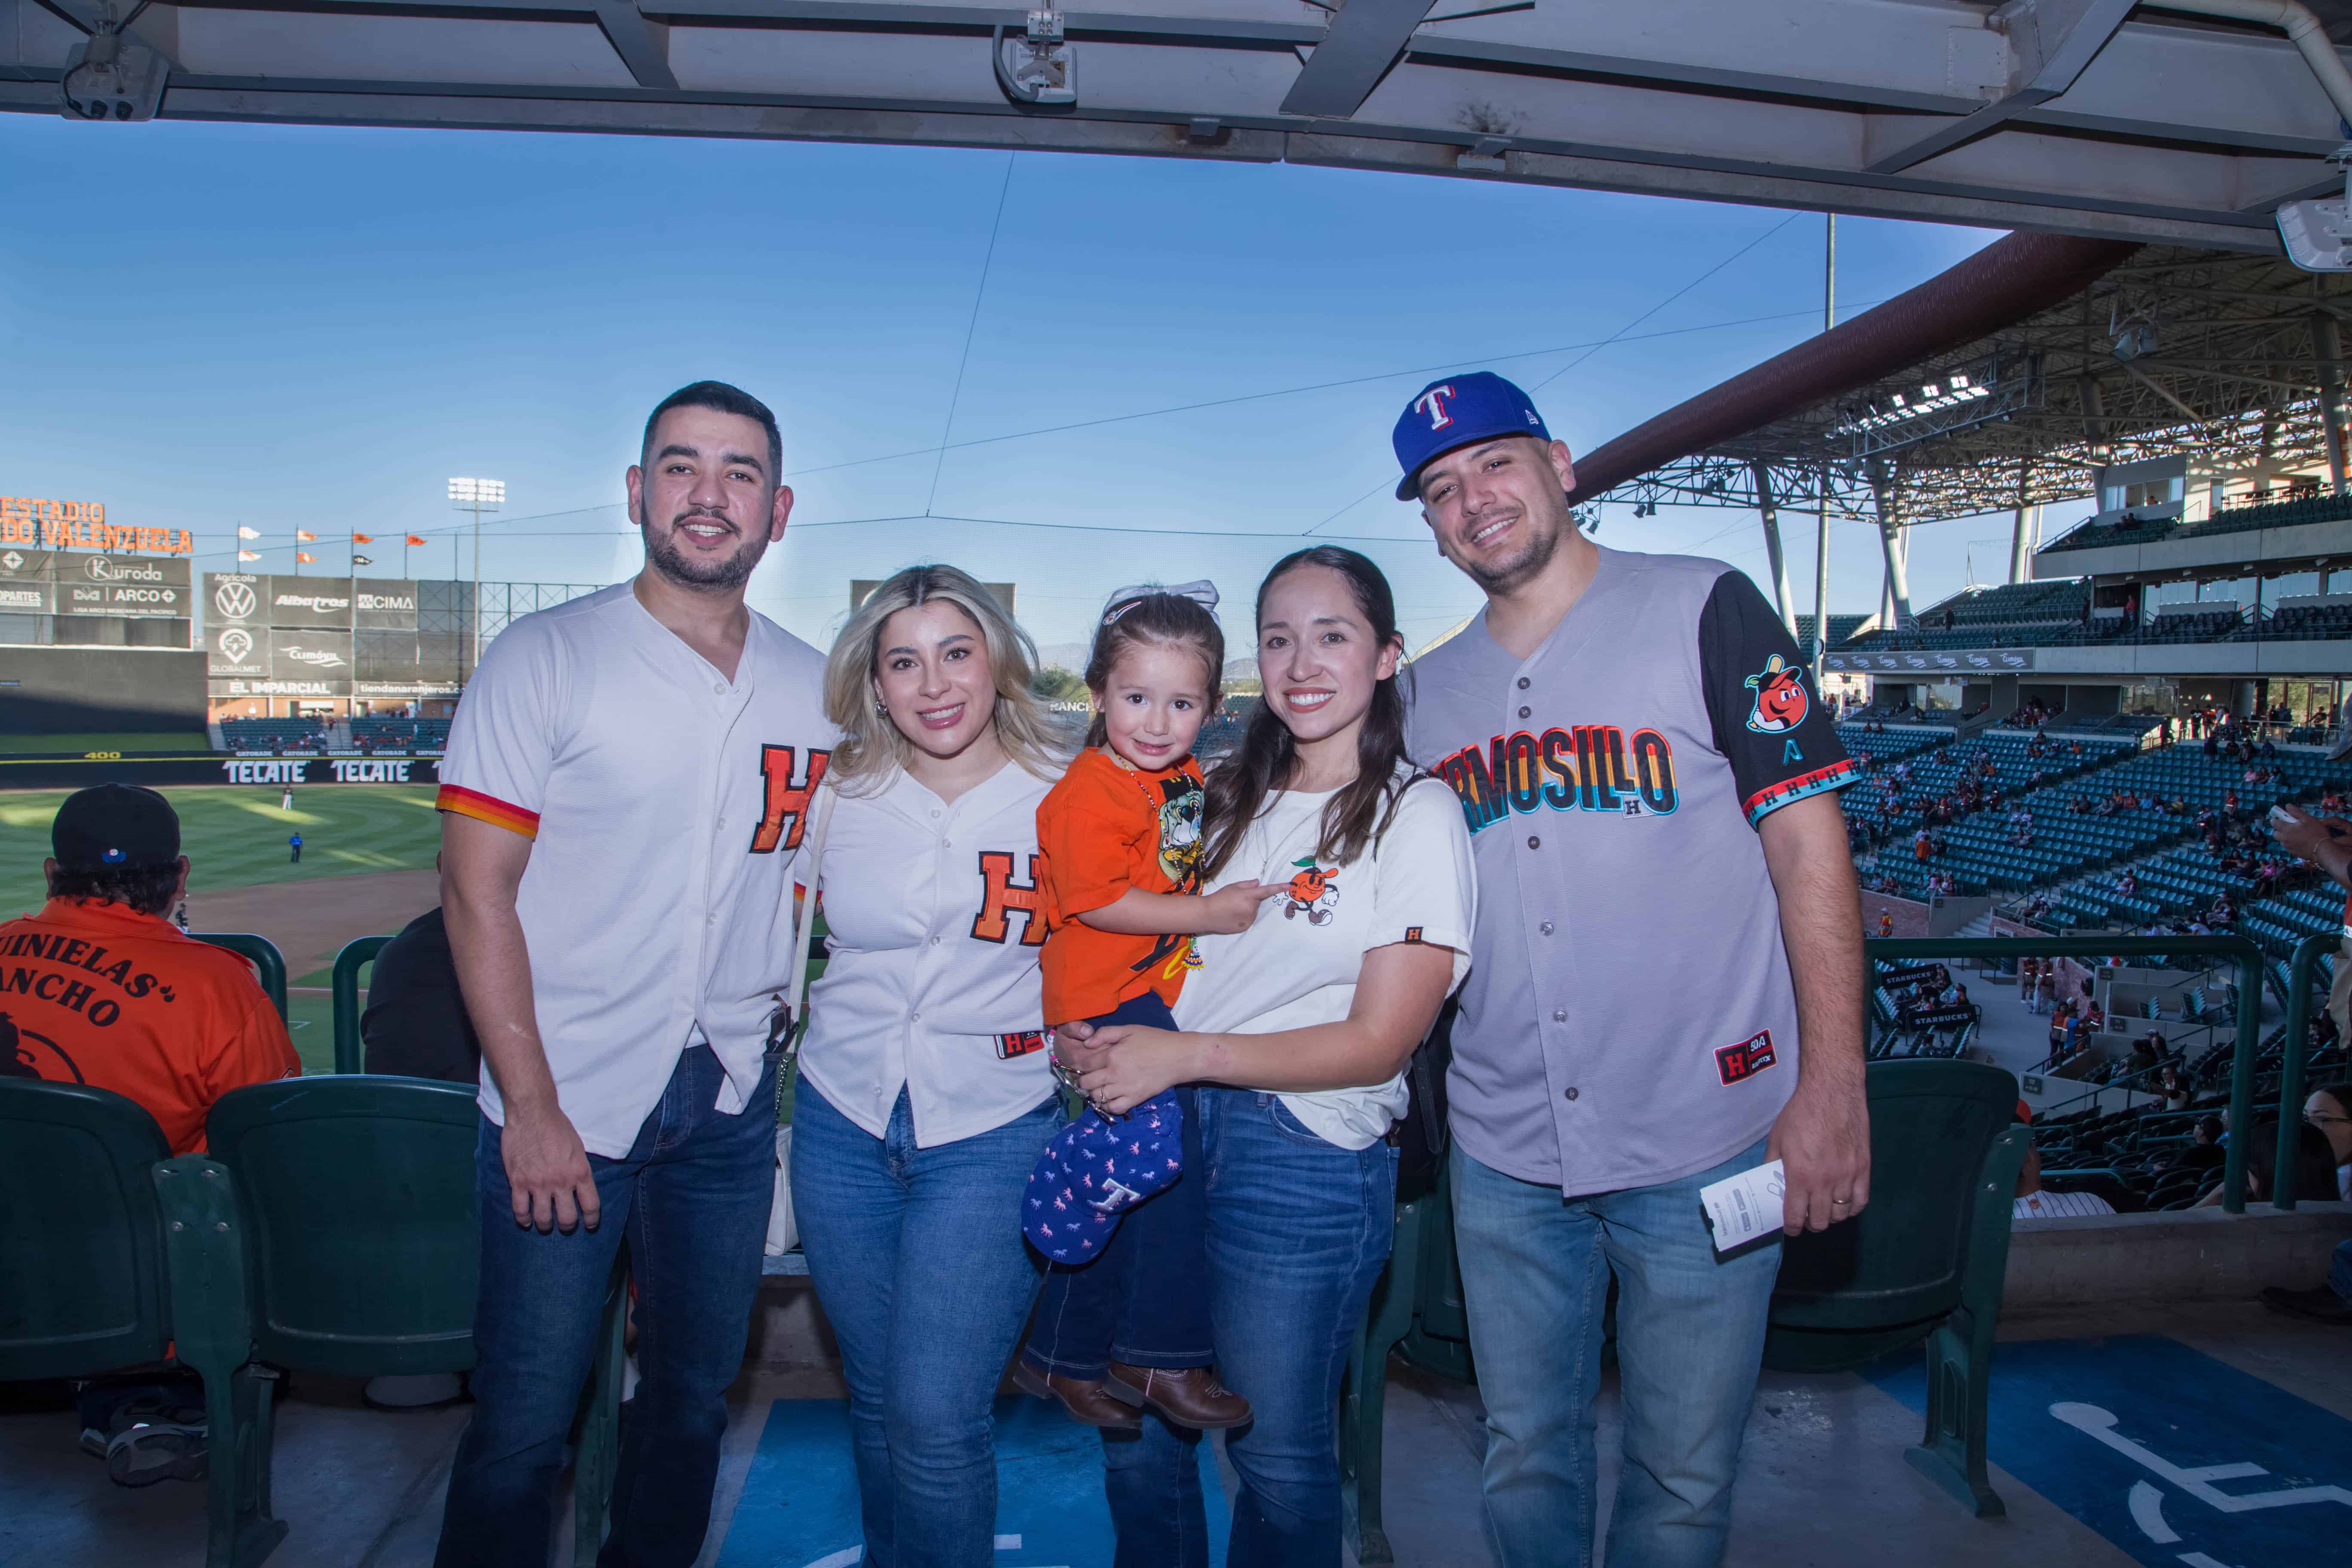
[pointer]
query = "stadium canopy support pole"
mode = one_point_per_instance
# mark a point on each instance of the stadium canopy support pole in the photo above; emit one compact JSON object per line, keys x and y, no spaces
{"x":1821,"y":585}
{"x":1897,"y":604}
{"x":1821,"y":541}
{"x":2328,"y":340}
{"x":1768,"y":509}
{"x":2020,"y":561}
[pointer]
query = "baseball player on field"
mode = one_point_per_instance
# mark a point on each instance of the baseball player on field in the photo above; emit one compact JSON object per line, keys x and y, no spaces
{"x":1665,"y":985}
{"x":622,"y":800}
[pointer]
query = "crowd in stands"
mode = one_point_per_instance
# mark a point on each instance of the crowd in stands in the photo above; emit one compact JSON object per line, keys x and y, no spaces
{"x":274,"y":736}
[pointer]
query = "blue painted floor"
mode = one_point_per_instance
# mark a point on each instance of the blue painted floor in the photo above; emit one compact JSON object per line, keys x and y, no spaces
{"x":799,"y":1502}
{"x":2171,"y":1454}
{"x":2229,"y":1447}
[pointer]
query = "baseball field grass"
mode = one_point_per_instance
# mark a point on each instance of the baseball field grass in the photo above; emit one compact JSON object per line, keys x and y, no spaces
{"x":235,"y":835}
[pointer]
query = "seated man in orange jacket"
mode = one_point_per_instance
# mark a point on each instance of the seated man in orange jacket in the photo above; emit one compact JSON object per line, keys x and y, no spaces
{"x":100,"y":988}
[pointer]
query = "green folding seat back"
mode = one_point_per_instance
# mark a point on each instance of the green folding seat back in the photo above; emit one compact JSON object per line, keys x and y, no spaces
{"x":362,"y":1231}
{"x":1924,"y":1262}
{"x":82,"y":1276}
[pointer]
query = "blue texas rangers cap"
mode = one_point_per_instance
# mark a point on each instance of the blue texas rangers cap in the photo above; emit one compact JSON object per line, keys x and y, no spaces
{"x":1455,"y":412}
{"x":1096,"y":1170}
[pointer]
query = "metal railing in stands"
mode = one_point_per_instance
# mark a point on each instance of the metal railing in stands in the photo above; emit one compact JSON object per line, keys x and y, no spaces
{"x":350,"y":1053}
{"x":2235,"y":949}
{"x":262,"y":953}
{"x":2301,"y":975}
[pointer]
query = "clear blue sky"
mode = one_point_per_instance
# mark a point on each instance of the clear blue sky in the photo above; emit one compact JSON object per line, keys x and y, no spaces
{"x":289,"y":327}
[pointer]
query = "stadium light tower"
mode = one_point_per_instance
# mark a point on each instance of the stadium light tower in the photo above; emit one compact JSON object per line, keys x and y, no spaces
{"x":476,"y":496}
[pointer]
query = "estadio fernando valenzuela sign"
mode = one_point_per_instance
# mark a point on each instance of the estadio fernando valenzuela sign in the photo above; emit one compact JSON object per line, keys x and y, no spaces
{"x":82,"y":525}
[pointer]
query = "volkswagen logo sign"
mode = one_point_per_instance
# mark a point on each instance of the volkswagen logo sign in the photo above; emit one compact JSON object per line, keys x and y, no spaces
{"x":234,"y":600}
{"x":235,"y":643}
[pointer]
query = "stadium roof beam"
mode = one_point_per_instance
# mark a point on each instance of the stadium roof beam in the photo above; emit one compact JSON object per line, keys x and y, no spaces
{"x":2065,"y":116}
{"x":2253,"y":377}
{"x":2050,"y":44}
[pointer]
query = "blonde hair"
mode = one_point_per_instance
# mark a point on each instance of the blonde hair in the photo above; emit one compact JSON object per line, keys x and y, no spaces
{"x":871,"y":751}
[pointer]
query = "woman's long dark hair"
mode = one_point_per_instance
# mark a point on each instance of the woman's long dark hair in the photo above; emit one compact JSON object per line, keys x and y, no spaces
{"x":1269,"y":754}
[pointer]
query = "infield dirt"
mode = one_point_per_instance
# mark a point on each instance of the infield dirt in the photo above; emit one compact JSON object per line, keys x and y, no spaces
{"x":311,"y":920}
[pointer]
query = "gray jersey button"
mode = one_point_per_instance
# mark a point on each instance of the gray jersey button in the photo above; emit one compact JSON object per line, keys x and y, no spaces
{"x":1560,"y":1014}
{"x":1533,"y":842}
{"x":1545,"y":927}
{"x":1524,"y":712}
{"x":1572,"y":1093}
{"x":1523,"y":683}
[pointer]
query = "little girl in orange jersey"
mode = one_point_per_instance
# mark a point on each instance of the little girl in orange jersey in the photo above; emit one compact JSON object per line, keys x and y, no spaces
{"x":1123,"y":1320}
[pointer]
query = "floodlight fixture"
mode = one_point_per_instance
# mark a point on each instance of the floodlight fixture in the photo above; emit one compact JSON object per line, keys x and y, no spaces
{"x":2318,"y":234}
{"x":476,"y":496}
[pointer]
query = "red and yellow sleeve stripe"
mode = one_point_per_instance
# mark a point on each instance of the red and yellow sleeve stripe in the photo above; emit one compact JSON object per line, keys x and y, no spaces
{"x":486,"y":808}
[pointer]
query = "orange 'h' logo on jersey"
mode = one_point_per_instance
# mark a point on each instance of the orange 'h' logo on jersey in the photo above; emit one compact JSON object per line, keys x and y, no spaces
{"x":785,"y":798}
{"x":1006,"y":898}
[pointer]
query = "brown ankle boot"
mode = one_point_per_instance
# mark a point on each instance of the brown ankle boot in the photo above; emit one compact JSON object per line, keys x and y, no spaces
{"x":1083,"y":1397}
{"x":1187,"y":1397}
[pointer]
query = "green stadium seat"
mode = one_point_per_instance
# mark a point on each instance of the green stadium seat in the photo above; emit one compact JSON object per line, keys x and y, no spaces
{"x":346,"y":1243}
{"x":81,"y":1239}
{"x":1416,"y":1309}
{"x":351,"y":1051}
{"x":1925,"y":1262}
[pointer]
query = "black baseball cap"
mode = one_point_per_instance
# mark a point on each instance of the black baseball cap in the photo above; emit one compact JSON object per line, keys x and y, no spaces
{"x":111,"y":827}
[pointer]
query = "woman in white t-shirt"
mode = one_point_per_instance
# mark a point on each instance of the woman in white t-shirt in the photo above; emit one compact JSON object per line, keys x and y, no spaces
{"x":925,"y":1095}
{"x":1298,"y":1031}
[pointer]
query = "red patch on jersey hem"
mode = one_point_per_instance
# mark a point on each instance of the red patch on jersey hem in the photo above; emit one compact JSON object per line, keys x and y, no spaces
{"x":1738,"y":1063}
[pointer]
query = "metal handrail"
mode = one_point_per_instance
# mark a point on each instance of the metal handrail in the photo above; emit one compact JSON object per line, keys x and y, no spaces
{"x":262,"y":953}
{"x":2249,"y":960}
{"x":2300,"y":975}
{"x":349,"y":1051}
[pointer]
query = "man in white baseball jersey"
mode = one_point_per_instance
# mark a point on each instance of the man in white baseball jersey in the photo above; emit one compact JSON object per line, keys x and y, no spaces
{"x":622,"y":799}
{"x":1665,"y":980}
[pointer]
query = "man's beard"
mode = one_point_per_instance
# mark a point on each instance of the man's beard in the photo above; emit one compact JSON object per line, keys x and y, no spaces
{"x":666,"y":558}
{"x":1502,"y":576}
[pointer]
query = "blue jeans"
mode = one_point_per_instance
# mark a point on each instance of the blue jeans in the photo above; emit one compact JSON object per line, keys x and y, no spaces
{"x":691,"y":1196}
{"x":1298,"y":1231}
{"x":1144,"y":1298}
{"x":918,"y":1261}
{"x":2339,"y":1273}
{"x":1690,"y":1338}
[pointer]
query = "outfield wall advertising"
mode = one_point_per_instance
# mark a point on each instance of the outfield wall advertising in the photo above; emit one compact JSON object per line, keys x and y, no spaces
{"x":214,"y":768}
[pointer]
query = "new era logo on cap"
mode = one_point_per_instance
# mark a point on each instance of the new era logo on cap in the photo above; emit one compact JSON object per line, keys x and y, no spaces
{"x":1455,"y":412}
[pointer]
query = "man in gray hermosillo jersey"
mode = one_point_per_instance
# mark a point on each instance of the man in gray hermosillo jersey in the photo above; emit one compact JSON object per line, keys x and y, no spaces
{"x":1665,"y":985}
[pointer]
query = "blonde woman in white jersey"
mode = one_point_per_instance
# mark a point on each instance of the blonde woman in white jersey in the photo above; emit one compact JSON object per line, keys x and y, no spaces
{"x":925,"y":1096}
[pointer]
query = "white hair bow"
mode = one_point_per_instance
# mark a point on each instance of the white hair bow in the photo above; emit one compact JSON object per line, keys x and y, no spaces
{"x":1201,"y":591}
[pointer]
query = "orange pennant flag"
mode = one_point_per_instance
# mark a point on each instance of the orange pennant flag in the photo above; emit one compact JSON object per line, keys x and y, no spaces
{"x":363,"y":538}
{"x":304,"y":536}
{"x":305,"y":558}
{"x":414,"y":540}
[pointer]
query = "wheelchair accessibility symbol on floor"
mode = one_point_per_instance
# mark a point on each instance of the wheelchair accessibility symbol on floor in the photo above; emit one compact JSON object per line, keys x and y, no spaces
{"x":2177,"y":1458}
{"x":2146,"y":1501}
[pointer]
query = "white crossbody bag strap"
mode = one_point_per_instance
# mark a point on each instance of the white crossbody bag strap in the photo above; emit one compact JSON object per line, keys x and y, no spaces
{"x":791,"y":1024}
{"x":794,"y":1018}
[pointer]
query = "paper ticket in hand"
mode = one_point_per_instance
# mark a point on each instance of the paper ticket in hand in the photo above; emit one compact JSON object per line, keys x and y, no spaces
{"x":1742,"y":1207}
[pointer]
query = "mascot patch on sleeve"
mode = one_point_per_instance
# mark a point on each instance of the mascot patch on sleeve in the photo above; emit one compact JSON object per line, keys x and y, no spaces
{"x":1780,"y":700}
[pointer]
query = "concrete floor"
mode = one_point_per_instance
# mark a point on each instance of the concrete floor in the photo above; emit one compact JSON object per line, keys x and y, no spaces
{"x":1823,"y":1479}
